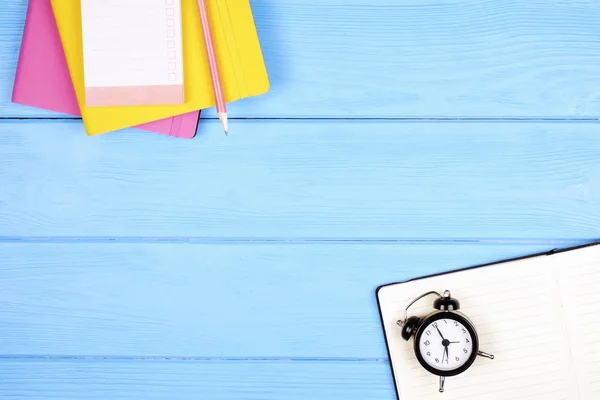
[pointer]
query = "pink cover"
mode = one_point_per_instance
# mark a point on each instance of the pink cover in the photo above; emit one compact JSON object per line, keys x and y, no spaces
{"x":42,"y":79}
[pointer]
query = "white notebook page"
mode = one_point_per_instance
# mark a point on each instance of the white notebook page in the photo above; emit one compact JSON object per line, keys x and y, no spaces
{"x":132,"y":42}
{"x":580,"y":287}
{"x":536,"y":315}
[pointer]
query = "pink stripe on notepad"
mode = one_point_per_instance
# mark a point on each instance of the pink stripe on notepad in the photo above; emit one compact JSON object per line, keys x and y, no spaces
{"x":134,"y":95}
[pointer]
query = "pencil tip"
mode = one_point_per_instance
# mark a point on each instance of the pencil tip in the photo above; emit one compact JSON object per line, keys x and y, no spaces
{"x":223,"y":118}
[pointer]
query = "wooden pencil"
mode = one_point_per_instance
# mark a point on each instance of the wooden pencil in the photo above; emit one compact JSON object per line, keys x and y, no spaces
{"x":213,"y":65}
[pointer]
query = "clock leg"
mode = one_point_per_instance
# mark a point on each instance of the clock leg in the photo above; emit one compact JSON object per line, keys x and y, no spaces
{"x":482,"y":354}
{"x":442,"y":380}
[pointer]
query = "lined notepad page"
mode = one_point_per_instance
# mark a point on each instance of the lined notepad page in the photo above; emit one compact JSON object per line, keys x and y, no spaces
{"x":132,"y":51}
{"x":580,"y":285}
{"x":538,"y":316}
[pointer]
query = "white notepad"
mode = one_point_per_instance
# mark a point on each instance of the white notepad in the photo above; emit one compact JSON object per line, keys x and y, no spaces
{"x":539,"y":316}
{"x":132,"y":52}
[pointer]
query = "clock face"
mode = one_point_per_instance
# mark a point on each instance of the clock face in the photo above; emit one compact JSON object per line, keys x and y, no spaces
{"x":446,"y":343}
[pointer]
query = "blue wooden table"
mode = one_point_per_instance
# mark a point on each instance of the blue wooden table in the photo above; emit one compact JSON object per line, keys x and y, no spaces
{"x":399,"y":138}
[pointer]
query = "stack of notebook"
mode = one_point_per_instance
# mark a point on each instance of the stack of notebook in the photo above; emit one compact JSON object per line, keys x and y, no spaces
{"x":135,"y":63}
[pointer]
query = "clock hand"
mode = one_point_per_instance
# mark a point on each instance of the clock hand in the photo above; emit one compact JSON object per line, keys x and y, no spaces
{"x":447,"y":356}
{"x":438,"y":329}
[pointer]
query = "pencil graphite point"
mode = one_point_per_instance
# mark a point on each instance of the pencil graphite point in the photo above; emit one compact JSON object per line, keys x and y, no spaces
{"x":223,"y":119}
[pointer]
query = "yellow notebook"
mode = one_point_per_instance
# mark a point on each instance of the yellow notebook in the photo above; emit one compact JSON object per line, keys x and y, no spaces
{"x":241,"y":63}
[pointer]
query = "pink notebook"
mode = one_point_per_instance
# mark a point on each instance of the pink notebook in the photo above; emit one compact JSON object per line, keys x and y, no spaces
{"x":42,"y":79}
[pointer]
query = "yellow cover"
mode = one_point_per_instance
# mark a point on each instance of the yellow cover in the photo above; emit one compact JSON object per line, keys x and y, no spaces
{"x":241,"y":63}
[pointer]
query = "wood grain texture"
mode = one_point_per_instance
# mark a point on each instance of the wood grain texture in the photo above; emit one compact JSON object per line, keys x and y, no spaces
{"x":181,"y":380}
{"x":238,"y":300}
{"x":410,"y":58}
{"x":299,"y":179}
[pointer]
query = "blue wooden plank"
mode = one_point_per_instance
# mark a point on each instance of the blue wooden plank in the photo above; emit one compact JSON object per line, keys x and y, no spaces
{"x":181,"y":380}
{"x":298,"y":179}
{"x":409,"y":58}
{"x":238,"y":300}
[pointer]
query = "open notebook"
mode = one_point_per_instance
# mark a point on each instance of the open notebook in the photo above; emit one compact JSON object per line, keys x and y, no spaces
{"x":538,"y":315}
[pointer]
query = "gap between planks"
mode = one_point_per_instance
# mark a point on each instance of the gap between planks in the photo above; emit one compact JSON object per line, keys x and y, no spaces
{"x":399,"y":119}
{"x":189,"y":358}
{"x":283,"y":240}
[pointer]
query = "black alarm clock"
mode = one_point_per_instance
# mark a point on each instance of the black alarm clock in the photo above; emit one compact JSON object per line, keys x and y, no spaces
{"x":445,"y":341}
